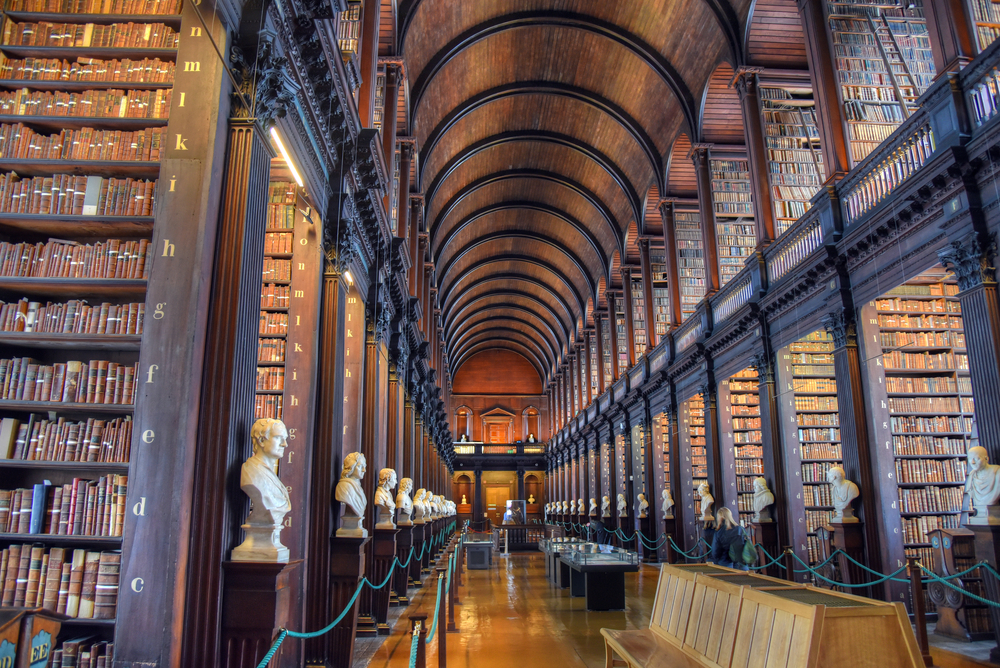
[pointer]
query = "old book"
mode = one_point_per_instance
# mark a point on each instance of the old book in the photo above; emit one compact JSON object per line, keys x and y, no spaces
{"x":107,"y":585}
{"x":36,"y":519}
{"x":64,"y":578}
{"x":21,"y":584}
{"x":75,"y":583}
{"x":88,"y":593}
{"x":34,"y":575}
{"x":9,"y":431}
{"x":24,"y":513}
{"x":10,"y":580}
{"x":53,"y":576}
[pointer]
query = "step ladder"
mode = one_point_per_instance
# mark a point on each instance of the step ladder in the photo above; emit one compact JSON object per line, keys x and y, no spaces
{"x":892,"y":54}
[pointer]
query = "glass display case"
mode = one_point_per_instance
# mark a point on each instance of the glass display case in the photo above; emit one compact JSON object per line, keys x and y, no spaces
{"x":591,"y":554}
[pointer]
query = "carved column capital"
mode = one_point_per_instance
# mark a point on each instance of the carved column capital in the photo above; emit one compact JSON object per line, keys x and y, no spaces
{"x":705,"y":390}
{"x":972,"y":260}
{"x":840,"y":324}
{"x":643,"y":243}
{"x":745,"y":81}
{"x":765,"y":370}
{"x":700,"y":154}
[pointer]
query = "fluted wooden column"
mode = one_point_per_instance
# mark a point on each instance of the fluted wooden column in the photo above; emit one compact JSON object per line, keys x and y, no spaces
{"x":368,"y":61}
{"x":588,"y":366}
{"x":629,"y":314}
{"x":753,"y":133}
{"x":598,"y":317}
{"x":709,"y":242}
{"x":647,"y":293}
{"x":670,"y":257}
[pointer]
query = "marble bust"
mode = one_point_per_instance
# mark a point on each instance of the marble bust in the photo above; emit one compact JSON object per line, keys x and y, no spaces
{"x":762,"y":500}
{"x":843,"y":492}
{"x":579,"y":506}
{"x":531,"y":499}
{"x":269,"y":499}
{"x":643,"y":507}
{"x":565,"y":507}
{"x":605,"y":507}
{"x":430,"y":509}
{"x":667,"y":505}
{"x":622,"y":506}
{"x":403,"y":503}
{"x":707,"y":500}
{"x":593,"y":506}
{"x":983,"y":487}
{"x":383,"y":499}
{"x":464,"y":502}
{"x":350,"y":493}
{"x":419,"y":509}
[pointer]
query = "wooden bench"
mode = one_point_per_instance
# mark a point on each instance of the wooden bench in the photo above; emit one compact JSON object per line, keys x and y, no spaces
{"x":706,"y":615}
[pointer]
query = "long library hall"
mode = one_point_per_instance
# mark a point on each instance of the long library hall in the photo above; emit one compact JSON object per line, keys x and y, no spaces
{"x":629,"y":334}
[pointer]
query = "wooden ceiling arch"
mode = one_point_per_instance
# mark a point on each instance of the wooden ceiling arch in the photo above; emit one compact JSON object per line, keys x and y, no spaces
{"x":520,"y":205}
{"x":508,"y":280}
{"x":449,"y":319}
{"x":510,"y":314}
{"x":545,"y":137}
{"x":487,"y":330}
{"x":535,"y":175}
{"x":552,"y":88}
{"x":513,"y":346}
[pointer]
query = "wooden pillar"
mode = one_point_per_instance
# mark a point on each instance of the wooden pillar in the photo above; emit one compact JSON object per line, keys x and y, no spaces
{"x":228,"y":383}
{"x":716,"y":480}
{"x":326,"y":460}
{"x":753,"y":132}
{"x":972,"y":260}
{"x":647,"y":293}
{"x":670,"y":255}
{"x":952,"y":32}
{"x":574,"y":383}
{"x":416,"y":266}
{"x":388,"y":136}
{"x":773,"y":459}
{"x":629,"y":314}
{"x":368,"y":62}
{"x":613,"y":332}
{"x":588,"y":365}
{"x":710,"y":246}
{"x":829,"y":113}
{"x":403,"y":197}
{"x":477,"y":497}
{"x":854,"y":438}
{"x":600,"y":352}
{"x":394,"y":423}
{"x":406,"y":463}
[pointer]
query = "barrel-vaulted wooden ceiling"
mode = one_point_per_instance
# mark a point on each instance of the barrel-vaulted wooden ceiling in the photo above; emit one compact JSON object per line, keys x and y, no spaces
{"x":546,"y":130}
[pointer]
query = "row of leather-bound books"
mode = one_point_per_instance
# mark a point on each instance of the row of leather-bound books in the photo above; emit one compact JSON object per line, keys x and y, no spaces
{"x":114,"y":35}
{"x":18,"y":142}
{"x":68,"y":195}
{"x":73,"y":317}
{"x":56,"y":258}
{"x":93,"y":382}
{"x":111,"y":70}
{"x":81,"y":508}
{"x":96,"y":6}
{"x":79,"y":583}
{"x":61,"y":440}
{"x":149,"y":104}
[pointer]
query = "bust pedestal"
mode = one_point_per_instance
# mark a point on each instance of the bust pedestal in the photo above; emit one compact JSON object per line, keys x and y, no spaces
{"x":401,"y":580}
{"x":988,"y":550}
{"x":646,"y":529}
{"x":849,"y":536}
{"x":383,"y":554}
{"x":255,"y":605}
{"x":417,"y":562}
{"x":766,"y":532}
{"x":669,"y":529}
{"x":347,"y":566}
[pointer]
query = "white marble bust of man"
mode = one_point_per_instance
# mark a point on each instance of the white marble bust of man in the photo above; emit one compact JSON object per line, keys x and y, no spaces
{"x":403,"y":502}
{"x":268,"y":496}
{"x":842,"y":491}
{"x":707,"y":500}
{"x":350,"y":493}
{"x":622,"y":506}
{"x":983,"y":487}
{"x":762,"y":500}
{"x":643,"y":507}
{"x":579,"y":506}
{"x":383,"y":499}
{"x":605,"y":506}
{"x":668,"y":503}
{"x":593,"y":506}
{"x":419,"y":509}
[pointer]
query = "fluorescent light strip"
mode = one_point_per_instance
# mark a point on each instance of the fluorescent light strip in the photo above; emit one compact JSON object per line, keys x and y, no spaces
{"x":284,"y":154}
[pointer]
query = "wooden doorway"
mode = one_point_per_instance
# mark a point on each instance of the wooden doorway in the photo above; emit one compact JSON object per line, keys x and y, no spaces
{"x":497,"y":496}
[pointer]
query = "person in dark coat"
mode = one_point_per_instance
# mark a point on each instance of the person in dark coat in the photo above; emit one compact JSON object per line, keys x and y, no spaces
{"x":727,"y":533}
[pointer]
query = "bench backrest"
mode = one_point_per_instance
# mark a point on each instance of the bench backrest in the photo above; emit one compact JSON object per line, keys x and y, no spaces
{"x":712,"y":623}
{"x":776,"y":633}
{"x":672,"y":606}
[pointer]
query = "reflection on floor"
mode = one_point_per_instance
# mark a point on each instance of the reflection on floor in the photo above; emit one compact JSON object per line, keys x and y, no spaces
{"x":511,"y":617}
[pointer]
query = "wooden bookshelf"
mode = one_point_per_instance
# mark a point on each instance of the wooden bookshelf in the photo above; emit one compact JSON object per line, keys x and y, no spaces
{"x":813,"y":423}
{"x":46,"y":418}
{"x":349,"y":35}
{"x":609,"y":353}
{"x":732,"y":199}
{"x":639,"y":318}
{"x":740,"y":438}
{"x":986,"y":15}
{"x":794,"y":158}
{"x":661,"y":450}
{"x":594,"y":367}
{"x":379,"y":108}
{"x":918,"y":337}
{"x":690,"y":260}
{"x":661,"y":292}
{"x":883,"y":59}
{"x":621,"y":340}
{"x":694,"y":464}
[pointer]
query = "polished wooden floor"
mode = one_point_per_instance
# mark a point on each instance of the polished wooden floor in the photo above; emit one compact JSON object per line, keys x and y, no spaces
{"x":510,"y":616}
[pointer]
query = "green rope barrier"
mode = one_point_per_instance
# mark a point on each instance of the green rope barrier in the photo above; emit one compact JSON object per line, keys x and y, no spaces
{"x":884,"y":578}
{"x":687,"y":555}
{"x":413,"y":646}
{"x":437,"y":606}
{"x":937,"y":578}
{"x":773,"y":560}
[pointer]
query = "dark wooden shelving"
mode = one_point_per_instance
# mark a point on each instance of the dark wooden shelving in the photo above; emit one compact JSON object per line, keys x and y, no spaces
{"x":62,"y":225}
{"x":137,"y":169}
{"x":76,"y":86}
{"x":72,"y":52}
{"x":57,"y":123}
{"x":65,"y":407}
{"x":171,"y":20}
{"x":74,"y":287}
{"x":129,"y":342}
{"x":50,"y":539}
{"x":73,"y":467}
